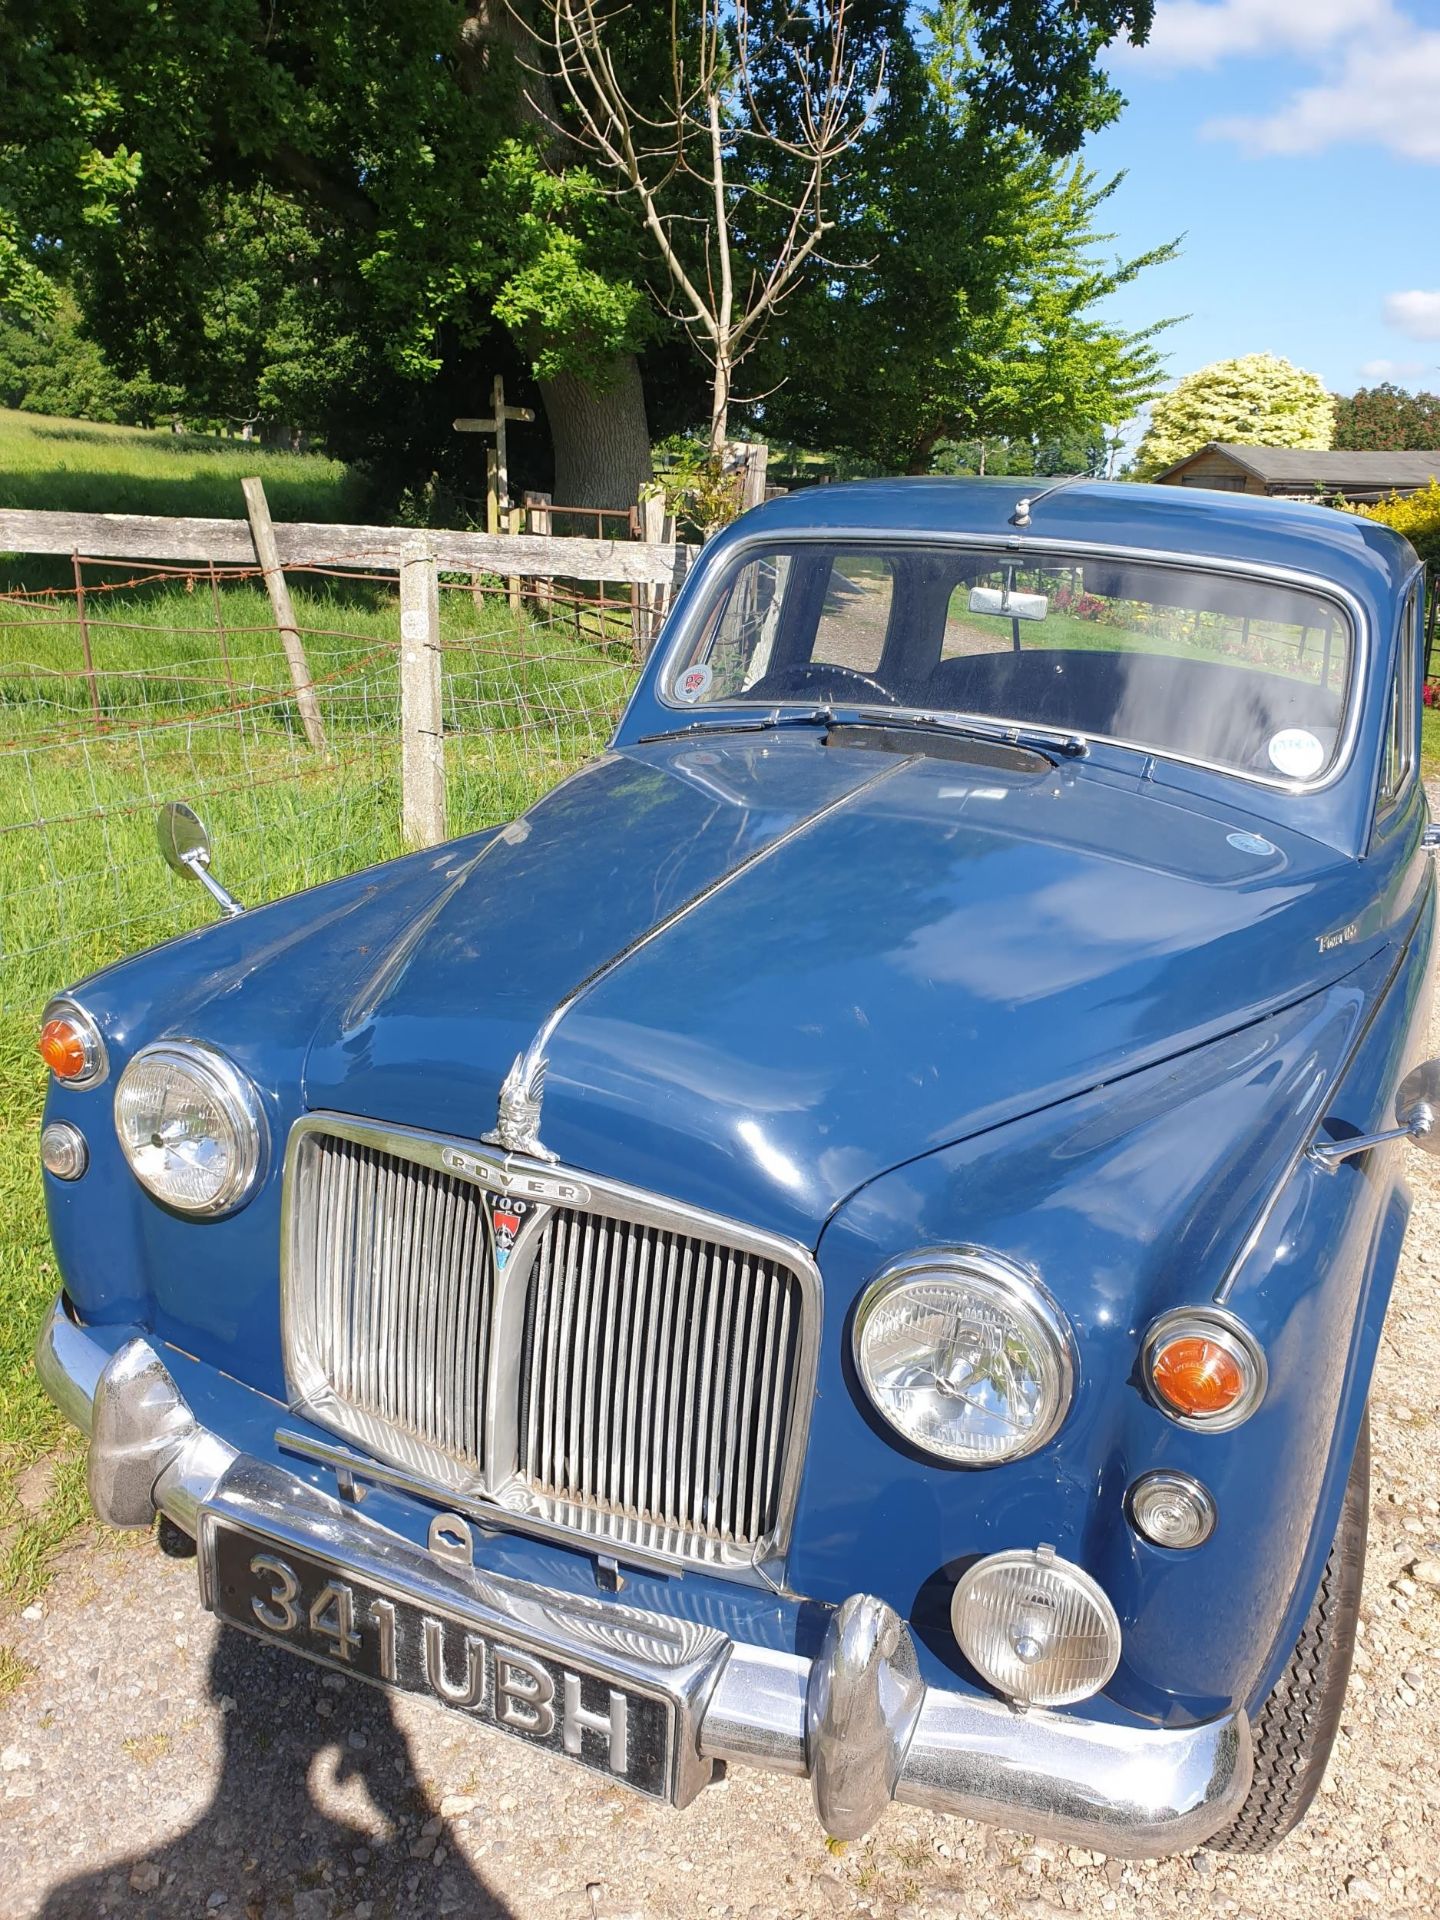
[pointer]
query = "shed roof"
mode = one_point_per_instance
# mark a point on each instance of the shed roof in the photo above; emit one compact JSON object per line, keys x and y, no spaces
{"x":1302,"y":468}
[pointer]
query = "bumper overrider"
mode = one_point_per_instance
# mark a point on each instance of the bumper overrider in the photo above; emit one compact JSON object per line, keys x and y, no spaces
{"x":858,"y":1720}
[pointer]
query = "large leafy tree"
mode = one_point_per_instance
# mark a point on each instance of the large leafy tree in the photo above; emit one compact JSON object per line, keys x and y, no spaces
{"x":1258,"y":400}
{"x":317,"y":204}
{"x":1387,"y":419}
{"x":974,"y":316}
{"x":358,"y":213}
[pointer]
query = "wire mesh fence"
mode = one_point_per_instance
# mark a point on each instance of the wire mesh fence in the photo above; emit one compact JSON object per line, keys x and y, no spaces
{"x":137,"y":686}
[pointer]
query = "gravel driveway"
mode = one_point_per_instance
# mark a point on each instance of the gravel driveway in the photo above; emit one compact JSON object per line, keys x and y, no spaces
{"x":155,"y":1766}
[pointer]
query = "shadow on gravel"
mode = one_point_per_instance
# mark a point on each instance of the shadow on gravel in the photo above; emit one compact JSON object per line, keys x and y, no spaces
{"x":317,"y":1814}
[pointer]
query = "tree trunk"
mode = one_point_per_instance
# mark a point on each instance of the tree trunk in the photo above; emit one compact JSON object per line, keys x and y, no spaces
{"x":601,"y":437}
{"x":720,"y":407}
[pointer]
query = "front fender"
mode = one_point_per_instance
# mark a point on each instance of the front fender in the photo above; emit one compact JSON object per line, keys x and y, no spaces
{"x":1138,"y":1197}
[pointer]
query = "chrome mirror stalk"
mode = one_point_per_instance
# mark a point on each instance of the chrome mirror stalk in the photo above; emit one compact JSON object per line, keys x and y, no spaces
{"x":185,"y":848}
{"x":1417,"y":1111}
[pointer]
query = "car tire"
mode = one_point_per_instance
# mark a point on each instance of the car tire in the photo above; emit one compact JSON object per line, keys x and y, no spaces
{"x":1295,"y":1729}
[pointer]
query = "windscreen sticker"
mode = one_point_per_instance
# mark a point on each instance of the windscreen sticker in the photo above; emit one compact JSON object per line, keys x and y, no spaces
{"x":1296,"y":753}
{"x":693,"y":684}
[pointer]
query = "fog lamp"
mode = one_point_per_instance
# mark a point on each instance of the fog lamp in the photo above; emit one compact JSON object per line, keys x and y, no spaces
{"x":63,"y":1151}
{"x":71,"y":1045}
{"x":1203,"y":1368}
{"x":1172,"y":1510}
{"x":1036,"y":1628}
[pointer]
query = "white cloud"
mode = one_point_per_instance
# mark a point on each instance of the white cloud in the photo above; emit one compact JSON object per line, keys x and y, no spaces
{"x":1415,"y":314}
{"x":1384,"y":91}
{"x":1392,"y":369}
{"x":1201,"y":33}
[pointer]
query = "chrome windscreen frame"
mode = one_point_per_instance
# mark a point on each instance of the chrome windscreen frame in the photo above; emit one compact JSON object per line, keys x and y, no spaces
{"x":701,"y":586}
{"x":496,"y":1494}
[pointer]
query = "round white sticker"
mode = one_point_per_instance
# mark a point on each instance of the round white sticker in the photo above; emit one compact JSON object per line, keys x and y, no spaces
{"x":1296,"y":752}
{"x":693,"y":684}
{"x":1251,"y":843}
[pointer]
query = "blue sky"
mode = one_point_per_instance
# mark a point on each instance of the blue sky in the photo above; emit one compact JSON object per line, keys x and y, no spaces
{"x":1296,"y":145}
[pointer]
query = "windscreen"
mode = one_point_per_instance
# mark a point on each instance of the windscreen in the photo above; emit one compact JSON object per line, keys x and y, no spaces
{"x":1247,"y":674}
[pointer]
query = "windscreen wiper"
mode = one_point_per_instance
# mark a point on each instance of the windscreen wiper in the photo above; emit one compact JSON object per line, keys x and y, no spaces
{"x":761,"y":723}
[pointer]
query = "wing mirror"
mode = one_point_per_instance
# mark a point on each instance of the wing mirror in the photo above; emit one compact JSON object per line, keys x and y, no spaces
{"x":185,"y":848}
{"x":1417,"y":1113}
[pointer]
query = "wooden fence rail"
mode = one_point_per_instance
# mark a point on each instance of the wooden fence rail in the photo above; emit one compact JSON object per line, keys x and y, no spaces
{"x":302,"y":543}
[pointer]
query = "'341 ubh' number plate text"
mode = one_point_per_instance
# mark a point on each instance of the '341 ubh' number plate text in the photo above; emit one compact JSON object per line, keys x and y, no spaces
{"x":330,"y":1616}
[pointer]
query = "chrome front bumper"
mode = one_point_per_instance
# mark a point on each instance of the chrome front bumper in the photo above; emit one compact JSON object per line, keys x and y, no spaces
{"x":858,"y":1721}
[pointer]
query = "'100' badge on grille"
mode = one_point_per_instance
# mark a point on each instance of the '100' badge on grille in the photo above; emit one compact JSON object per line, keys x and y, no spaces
{"x":506,"y":1215}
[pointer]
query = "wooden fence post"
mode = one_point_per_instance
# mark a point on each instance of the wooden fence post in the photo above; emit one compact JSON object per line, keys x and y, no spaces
{"x":537,"y":513}
{"x":268,"y":554}
{"x":657,"y":528}
{"x":514,"y":523}
{"x":422,"y":714}
{"x":752,"y":485}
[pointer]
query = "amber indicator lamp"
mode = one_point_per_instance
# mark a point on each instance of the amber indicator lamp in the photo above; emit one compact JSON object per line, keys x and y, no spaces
{"x":64,"y":1049}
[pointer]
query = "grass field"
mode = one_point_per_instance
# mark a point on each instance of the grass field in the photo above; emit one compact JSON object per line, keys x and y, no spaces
{"x":75,"y":466}
{"x":81,"y":882}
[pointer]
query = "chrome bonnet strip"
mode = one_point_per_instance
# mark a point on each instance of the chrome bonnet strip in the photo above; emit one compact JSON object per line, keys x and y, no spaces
{"x":534,"y":1053}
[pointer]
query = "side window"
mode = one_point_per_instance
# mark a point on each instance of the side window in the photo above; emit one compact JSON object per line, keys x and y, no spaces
{"x":855,"y":614}
{"x":1400,"y":725}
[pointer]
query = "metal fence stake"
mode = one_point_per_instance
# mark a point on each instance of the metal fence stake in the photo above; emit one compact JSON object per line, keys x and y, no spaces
{"x":422,"y":716}
{"x":85,"y":645}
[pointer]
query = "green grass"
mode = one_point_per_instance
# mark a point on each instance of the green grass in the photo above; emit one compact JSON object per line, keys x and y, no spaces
{"x":81,"y":882}
{"x":1430,"y":743}
{"x":76,"y":466}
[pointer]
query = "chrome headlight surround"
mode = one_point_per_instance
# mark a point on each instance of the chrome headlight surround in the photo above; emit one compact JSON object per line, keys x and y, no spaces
{"x":1006,"y":1288}
{"x":232,"y":1095}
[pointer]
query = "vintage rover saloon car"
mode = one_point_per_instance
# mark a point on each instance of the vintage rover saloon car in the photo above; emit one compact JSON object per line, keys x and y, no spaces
{"x":851,"y":1238}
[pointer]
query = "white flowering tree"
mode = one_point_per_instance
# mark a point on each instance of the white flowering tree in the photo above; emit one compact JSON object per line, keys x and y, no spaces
{"x":1258,"y":400}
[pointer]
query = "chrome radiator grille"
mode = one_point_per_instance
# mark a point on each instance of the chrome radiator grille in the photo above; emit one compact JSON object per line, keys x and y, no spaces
{"x":592,"y":1359}
{"x":396,"y":1300}
{"x":657,"y":1383}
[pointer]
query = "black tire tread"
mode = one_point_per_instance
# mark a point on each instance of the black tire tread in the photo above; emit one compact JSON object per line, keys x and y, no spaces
{"x":1295,"y":1729}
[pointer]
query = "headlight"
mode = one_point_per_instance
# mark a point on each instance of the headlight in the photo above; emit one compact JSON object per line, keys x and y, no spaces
{"x":1039,"y":1629}
{"x":191,"y":1127}
{"x":966,"y":1355}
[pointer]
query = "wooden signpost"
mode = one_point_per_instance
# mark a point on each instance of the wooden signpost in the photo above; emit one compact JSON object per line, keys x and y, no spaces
{"x":497,"y":466}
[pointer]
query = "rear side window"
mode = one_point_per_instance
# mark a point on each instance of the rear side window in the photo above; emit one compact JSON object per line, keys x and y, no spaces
{"x":1400,"y":727}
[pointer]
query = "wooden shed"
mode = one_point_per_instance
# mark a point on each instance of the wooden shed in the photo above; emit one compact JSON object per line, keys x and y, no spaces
{"x":1297,"y":473}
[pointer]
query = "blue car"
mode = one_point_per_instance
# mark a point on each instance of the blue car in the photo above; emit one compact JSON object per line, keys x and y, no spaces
{"x":852,"y":1237}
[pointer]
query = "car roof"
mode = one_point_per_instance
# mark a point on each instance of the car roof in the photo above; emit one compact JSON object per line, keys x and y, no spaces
{"x":1371,"y":560}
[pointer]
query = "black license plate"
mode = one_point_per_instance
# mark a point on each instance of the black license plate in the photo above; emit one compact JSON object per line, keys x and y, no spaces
{"x":327,"y":1614}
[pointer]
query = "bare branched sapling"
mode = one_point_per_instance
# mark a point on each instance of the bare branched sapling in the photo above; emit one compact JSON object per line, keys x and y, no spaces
{"x":721,"y":149}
